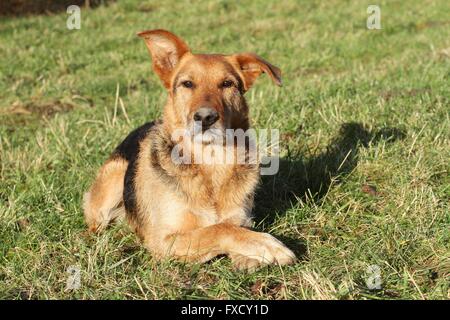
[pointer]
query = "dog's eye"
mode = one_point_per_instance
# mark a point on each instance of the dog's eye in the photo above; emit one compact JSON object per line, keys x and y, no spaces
{"x":187,"y":84}
{"x":227,"y":84}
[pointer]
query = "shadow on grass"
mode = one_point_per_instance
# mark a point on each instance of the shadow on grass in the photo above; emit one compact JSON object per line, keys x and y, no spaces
{"x":301,"y":178}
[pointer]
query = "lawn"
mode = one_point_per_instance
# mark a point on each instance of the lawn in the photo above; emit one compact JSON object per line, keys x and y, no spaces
{"x":365,"y":145}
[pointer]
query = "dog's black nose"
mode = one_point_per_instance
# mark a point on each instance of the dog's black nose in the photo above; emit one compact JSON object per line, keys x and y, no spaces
{"x":207,"y":116}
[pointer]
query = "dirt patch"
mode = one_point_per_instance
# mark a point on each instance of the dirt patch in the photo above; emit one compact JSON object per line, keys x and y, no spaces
{"x":27,"y":7}
{"x":147,"y":7}
{"x":390,"y":94}
{"x":269,"y":290}
{"x":30,"y":114}
{"x":371,"y":190}
{"x":45,"y":109}
{"x":431,"y":24}
{"x":23,"y":224}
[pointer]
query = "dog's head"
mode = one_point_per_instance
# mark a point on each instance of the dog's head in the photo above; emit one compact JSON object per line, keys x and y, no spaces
{"x":206,"y":91}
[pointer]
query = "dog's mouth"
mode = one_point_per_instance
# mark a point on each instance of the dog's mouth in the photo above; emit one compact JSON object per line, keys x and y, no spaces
{"x":211,"y":135}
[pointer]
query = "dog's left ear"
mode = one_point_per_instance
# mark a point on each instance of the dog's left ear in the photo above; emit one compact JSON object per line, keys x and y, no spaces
{"x":251,"y":66}
{"x":166,"y":50}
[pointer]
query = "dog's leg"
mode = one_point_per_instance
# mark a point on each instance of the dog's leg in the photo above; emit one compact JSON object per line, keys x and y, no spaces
{"x":102,"y":202}
{"x":248,"y":249}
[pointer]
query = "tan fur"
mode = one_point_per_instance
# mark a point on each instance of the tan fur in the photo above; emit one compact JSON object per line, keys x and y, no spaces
{"x":193,"y":212}
{"x":102,"y":203}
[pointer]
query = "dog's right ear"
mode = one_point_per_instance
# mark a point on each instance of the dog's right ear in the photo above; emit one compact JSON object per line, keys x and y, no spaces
{"x":166,"y":50}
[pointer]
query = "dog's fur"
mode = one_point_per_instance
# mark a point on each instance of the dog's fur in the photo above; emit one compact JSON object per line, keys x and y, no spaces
{"x":193,"y":212}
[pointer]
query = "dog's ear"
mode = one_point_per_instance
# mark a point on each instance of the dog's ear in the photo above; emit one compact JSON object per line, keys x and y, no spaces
{"x":251,"y":66}
{"x":166,"y":50}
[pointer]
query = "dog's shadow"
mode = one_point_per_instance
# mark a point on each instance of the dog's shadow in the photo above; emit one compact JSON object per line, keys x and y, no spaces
{"x":300,"y":178}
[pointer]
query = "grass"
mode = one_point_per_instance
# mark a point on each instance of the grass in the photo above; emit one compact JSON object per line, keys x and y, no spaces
{"x":364,"y":121}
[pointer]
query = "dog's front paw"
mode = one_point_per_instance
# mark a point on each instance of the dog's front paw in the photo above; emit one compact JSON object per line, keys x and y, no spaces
{"x":241,"y":262}
{"x":261,"y":249}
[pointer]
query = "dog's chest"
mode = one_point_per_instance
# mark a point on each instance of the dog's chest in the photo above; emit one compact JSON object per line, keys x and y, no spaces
{"x":221,"y":192}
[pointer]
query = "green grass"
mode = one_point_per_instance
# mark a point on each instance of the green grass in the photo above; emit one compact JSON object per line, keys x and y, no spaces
{"x":364,"y":118}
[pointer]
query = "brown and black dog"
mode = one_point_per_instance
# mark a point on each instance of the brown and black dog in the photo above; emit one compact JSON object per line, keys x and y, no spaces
{"x":193,"y":212}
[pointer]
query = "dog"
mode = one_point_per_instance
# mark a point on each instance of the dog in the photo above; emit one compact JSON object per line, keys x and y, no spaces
{"x":189,"y":211}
